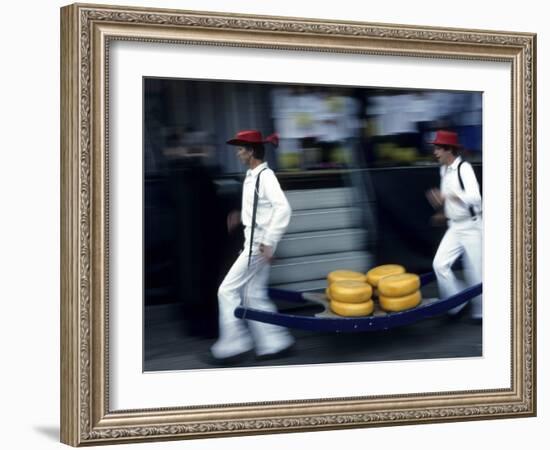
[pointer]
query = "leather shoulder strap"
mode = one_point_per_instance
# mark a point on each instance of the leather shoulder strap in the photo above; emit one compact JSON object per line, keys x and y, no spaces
{"x":470,"y":208}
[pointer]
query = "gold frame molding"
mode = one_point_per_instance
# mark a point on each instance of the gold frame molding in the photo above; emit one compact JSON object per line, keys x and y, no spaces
{"x":86,"y":31}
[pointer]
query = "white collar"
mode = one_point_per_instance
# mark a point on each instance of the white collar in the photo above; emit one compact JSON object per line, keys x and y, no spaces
{"x":257,"y":169}
{"x":454,"y":165}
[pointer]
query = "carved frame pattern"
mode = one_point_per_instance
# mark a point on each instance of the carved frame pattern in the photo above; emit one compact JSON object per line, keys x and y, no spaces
{"x":86,"y":418}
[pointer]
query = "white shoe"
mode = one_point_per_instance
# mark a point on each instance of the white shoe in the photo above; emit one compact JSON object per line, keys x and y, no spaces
{"x":454,"y":311}
{"x":284,"y":343}
{"x":228,"y":347}
{"x":477,"y":308}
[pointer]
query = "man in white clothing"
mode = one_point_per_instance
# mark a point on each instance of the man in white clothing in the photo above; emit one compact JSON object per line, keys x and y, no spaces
{"x":265,"y":215}
{"x":461,"y":201}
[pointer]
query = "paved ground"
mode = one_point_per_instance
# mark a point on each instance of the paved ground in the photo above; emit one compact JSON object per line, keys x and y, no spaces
{"x":167,"y":347}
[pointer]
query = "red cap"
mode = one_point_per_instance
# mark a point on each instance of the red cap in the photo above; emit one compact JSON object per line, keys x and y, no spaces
{"x":251,"y":137}
{"x":449,"y":138}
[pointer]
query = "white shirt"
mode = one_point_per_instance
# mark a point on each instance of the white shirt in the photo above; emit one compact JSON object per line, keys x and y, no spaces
{"x":273,"y":210}
{"x":458,"y":210}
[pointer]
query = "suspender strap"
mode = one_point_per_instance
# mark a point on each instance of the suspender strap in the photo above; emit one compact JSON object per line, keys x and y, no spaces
{"x":254,"y":209}
{"x":470,"y":208}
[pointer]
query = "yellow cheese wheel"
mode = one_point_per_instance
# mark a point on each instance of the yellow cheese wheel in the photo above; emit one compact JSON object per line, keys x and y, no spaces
{"x":349,"y":291}
{"x":400,"y":303}
{"x":341,"y":275}
{"x":399,"y":285}
{"x":377,"y":273}
{"x":352,"y":309}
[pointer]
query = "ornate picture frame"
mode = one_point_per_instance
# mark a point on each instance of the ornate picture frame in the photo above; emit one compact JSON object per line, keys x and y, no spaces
{"x":87,"y":32}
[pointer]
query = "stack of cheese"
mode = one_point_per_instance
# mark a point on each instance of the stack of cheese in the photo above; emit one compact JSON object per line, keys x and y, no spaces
{"x":397,"y":290}
{"x":349,"y":293}
{"x":377,"y":273}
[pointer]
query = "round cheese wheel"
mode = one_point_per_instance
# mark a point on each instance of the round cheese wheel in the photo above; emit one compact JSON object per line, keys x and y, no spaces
{"x":399,"y":285}
{"x":349,"y":291}
{"x":403,"y":303}
{"x":377,"y":273}
{"x":341,"y":275}
{"x":352,"y":309}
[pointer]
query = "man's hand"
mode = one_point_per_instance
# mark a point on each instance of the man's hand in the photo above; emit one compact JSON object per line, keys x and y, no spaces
{"x":438,"y":219}
{"x":435,"y":197}
{"x":267,"y":252}
{"x":454,"y":198}
{"x":233,"y":220}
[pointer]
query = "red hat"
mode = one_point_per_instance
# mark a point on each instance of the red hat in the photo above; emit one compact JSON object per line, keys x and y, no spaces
{"x":252,"y":137}
{"x":449,"y":138}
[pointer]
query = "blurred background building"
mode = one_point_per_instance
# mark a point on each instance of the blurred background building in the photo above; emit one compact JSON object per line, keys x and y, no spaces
{"x":354,"y":163}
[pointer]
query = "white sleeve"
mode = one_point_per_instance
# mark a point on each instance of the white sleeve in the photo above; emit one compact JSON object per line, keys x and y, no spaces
{"x":282,"y":211}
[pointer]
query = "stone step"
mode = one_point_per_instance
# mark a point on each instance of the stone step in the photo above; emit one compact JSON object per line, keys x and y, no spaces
{"x":321,"y":242}
{"x":304,"y":268}
{"x":304,"y":199}
{"x":303,"y":286}
{"x":323,"y":219}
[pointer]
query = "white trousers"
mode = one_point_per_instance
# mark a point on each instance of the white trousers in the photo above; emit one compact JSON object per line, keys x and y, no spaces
{"x":248,"y":284}
{"x":461,"y":239}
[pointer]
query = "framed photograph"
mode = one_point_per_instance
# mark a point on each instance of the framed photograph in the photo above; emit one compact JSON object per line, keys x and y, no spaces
{"x":278,"y":224}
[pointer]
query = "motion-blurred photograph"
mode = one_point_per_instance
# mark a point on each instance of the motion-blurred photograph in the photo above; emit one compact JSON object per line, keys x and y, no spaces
{"x":292,"y":224}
